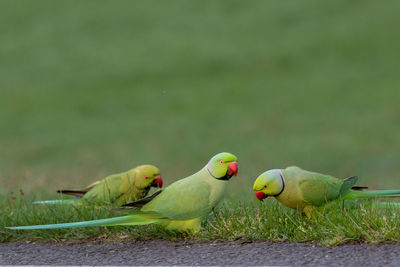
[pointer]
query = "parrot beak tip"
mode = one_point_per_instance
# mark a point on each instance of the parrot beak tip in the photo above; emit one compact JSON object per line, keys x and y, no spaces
{"x":157,"y":182}
{"x":260,"y":195}
{"x":233,"y":168}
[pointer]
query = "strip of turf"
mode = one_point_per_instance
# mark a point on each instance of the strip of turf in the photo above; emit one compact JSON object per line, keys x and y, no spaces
{"x":269,"y":220}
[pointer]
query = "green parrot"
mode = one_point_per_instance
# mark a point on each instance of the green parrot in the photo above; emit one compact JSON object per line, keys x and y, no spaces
{"x":179,"y":207}
{"x":304,"y":190}
{"x":118,"y":189}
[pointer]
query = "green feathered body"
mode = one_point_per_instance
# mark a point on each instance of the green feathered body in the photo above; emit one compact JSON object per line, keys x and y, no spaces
{"x":305,"y":190}
{"x":117,"y":189}
{"x":185,"y":202}
{"x":180,"y":206}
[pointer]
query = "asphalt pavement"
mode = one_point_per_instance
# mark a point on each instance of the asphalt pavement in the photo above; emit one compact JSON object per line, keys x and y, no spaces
{"x":158,"y":252}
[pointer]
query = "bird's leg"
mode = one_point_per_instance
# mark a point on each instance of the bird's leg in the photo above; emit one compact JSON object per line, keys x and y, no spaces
{"x":307,"y":210}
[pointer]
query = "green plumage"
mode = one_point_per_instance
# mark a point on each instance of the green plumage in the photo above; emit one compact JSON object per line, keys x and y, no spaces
{"x":117,"y":189}
{"x":305,"y":190}
{"x":180,"y":206}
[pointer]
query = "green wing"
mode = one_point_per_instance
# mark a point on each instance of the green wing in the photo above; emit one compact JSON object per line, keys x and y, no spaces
{"x":108,"y":189}
{"x":348,"y":184}
{"x":317,"y":189}
{"x":293,"y":168}
{"x":185,"y":199}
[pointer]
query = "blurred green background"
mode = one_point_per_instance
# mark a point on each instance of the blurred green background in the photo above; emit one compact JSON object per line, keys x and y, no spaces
{"x":90,"y":88}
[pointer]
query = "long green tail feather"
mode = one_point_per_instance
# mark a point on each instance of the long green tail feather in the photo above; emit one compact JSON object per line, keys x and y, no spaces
{"x":124,"y":220}
{"x":355,"y":194}
{"x":387,"y":204}
{"x":57,"y":202}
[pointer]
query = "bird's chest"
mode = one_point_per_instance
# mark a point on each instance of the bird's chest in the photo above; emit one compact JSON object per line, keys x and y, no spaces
{"x":217,"y":192}
{"x":292,"y":196}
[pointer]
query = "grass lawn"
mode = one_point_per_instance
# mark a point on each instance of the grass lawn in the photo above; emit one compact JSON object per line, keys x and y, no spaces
{"x":232,"y":220}
{"x":93,"y":88}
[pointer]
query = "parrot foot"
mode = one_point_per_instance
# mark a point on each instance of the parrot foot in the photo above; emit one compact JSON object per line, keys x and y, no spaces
{"x":308,"y":210}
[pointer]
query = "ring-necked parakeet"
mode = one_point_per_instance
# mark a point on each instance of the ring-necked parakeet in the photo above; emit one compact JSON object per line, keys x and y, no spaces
{"x":180,"y":206}
{"x":117,"y":189}
{"x":304,"y":190}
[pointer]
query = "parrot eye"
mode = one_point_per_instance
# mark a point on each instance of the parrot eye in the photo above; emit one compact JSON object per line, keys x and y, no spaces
{"x":221,"y":162}
{"x":146,"y":177}
{"x":265,"y":186}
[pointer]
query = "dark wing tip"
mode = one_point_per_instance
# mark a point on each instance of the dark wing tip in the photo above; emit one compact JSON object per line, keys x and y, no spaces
{"x":141,"y":202}
{"x":359,"y":188}
{"x":77,"y":193}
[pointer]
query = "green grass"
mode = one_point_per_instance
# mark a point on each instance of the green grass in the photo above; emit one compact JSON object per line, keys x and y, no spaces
{"x":232,"y":220}
{"x":93,"y":88}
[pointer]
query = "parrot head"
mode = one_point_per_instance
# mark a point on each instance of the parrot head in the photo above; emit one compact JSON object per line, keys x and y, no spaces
{"x":147,"y":175}
{"x":223,"y":166}
{"x":270,"y":183}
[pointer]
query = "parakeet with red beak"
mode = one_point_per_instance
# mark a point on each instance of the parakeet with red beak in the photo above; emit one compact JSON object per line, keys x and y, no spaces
{"x":304,"y":190}
{"x":180,"y":206}
{"x":117,"y":189}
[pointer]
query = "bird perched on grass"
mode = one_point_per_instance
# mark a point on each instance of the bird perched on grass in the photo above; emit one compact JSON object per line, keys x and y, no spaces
{"x":304,"y":190}
{"x":117,"y":189}
{"x":180,"y":206}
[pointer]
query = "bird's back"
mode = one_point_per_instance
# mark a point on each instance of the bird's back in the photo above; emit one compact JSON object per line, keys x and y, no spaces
{"x":315,"y":188}
{"x":185,"y":199}
{"x":112,"y":189}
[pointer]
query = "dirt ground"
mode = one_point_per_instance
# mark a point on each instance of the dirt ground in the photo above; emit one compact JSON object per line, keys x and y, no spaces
{"x":158,"y":252}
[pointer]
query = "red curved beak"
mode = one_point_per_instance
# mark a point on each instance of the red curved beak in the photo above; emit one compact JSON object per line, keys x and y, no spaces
{"x":232,"y":168}
{"x":260,"y":195}
{"x":157,"y":182}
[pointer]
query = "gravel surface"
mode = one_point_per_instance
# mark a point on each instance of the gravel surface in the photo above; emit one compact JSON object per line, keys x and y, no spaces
{"x":157,"y":252}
